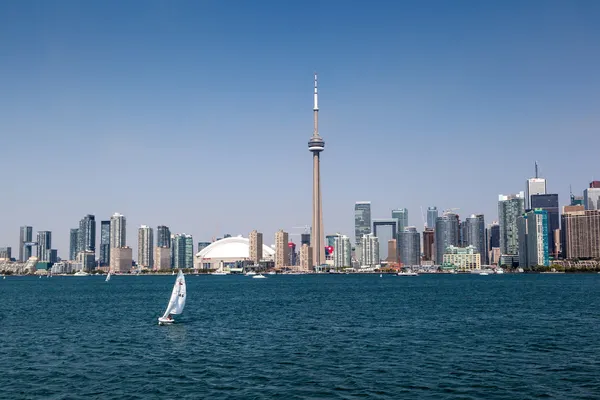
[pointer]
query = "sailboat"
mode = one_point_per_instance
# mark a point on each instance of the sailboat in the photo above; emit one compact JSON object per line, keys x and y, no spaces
{"x":259,"y":276}
{"x":107,"y":277}
{"x":176,"y":302}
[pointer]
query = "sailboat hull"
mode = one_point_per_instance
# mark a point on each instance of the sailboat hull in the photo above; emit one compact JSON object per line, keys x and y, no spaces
{"x":165,"y":321}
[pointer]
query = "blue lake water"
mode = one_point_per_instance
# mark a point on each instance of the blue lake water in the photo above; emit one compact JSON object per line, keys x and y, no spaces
{"x":302,"y":337}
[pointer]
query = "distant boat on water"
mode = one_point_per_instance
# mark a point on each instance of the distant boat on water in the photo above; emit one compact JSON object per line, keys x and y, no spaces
{"x":107,"y":277}
{"x":81,"y":273}
{"x":259,"y":276}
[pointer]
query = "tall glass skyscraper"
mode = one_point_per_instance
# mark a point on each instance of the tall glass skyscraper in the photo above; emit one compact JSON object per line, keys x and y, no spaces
{"x":87,"y":234}
{"x":163,"y":236}
{"x":475,"y":235}
{"x":117,"y":231}
{"x":548,"y":202}
{"x":401,"y":215}
{"x":44,"y":240}
{"x":73,"y":243}
{"x":182,"y":250}
{"x":362,"y":220}
{"x":145,"y":247}
{"x":410,"y":246}
{"x":432,"y":214}
{"x":104,"y":258}
{"x":510,"y":207}
{"x":446,"y":234}
{"x":25,"y":236}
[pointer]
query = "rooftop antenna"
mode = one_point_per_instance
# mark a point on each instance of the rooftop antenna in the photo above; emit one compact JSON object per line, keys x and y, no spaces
{"x":536,"y":170}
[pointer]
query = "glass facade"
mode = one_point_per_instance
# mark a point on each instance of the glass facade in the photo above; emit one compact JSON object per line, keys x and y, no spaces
{"x":410,"y":246}
{"x":87,"y":234}
{"x":401,"y":215}
{"x":432,"y":214}
{"x":104,"y":243}
{"x":163,"y":236}
{"x":509,"y":209}
{"x":548,"y":202}
{"x":475,"y":235}
{"x":447,"y":233}
{"x":25,"y":236}
{"x":73,"y":243}
{"x":362,"y":220}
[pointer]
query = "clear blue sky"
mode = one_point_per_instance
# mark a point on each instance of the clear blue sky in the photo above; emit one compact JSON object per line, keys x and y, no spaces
{"x":197,"y":114}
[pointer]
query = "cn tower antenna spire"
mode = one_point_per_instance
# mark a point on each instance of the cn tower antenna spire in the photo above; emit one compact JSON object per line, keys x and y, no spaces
{"x":316,"y":109}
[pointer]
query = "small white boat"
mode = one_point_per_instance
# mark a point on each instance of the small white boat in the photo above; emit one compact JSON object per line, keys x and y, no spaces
{"x":173,"y":273}
{"x":40,"y":277}
{"x":407,"y":274}
{"x":483,"y":273}
{"x":176,"y":302}
{"x":81,"y":273}
{"x":499,"y":271}
{"x":250,"y":273}
{"x":259,"y":276}
{"x":219,"y":273}
{"x":107,"y":277}
{"x":381,"y":275}
{"x":274,"y":273}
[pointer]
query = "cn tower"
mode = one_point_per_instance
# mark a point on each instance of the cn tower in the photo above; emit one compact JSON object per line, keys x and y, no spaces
{"x":316,"y":145}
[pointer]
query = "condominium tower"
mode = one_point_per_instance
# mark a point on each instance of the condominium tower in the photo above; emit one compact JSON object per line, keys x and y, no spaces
{"x":145,"y":247}
{"x":362,"y":220}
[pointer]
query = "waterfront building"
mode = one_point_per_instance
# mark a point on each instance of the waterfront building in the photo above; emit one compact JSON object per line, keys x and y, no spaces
{"x":401,"y":215}
{"x":256,"y":246}
{"x":475,"y":235}
{"x":429,"y":244}
{"x":162,"y":258}
{"x":163,"y":236}
{"x":117,"y":231}
{"x":410,"y":247}
{"x":549,"y":202}
{"x":281,"y":249}
{"x":342,"y":251}
{"x":86,"y":260}
{"x":44,"y":241}
{"x":104,"y":258}
{"x":5,"y":253}
{"x":362,"y":220}
{"x":392,"y":251}
{"x":316,"y":145}
{"x":580,"y":233}
{"x":591,"y":198}
{"x":121,"y":259}
{"x":494,"y":256}
{"x":510,"y":207}
{"x":370,"y":251}
{"x":447,"y":234}
{"x":432,"y":215}
{"x":25,"y":237}
{"x":533,"y":238}
{"x":462,"y":258}
{"x":306,"y":262}
{"x":73,"y":244}
{"x":229,"y":252}
{"x":87,"y":234}
{"x":145,"y":247}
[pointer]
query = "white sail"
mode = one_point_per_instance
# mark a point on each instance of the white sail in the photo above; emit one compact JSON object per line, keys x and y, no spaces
{"x":177,"y":300}
{"x":108,"y":277}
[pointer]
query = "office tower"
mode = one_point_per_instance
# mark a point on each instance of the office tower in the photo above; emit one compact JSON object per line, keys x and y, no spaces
{"x":86,"y":260}
{"x":591,"y":198}
{"x":145,"y":247}
{"x":117,"y":231}
{"x":510,"y":207}
{"x":25,"y":236}
{"x":73,"y":243}
{"x":432,"y":214}
{"x":306,"y":262}
{"x":162,"y":258}
{"x":256,"y":246}
{"x":580,"y":233}
{"x":462,"y":231}
{"x":410,"y":246}
{"x":104,"y":258}
{"x":292,"y":253}
{"x":428,"y":244}
{"x":362,"y":220}
{"x":533,"y":238}
{"x":178,"y":250}
{"x":121,"y":259}
{"x":370,"y":250}
{"x":475,"y":235}
{"x":316,"y":145}
{"x":305,"y":239}
{"x":342,"y":251}
{"x":462,"y":258}
{"x":401,"y":215}
{"x":494,"y":235}
{"x":44,"y":240}
{"x":392,"y":251}
{"x":189,"y":251}
{"x":281,"y":249}
{"x":163,"y":236}
{"x":446,"y":233}
{"x":549,"y":202}
{"x":533,"y":186}
{"x":5,"y":253}
{"x":87,"y":234}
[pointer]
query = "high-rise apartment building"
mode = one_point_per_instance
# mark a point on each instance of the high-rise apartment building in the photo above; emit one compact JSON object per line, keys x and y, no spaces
{"x":401,"y":215}
{"x":87,"y":234}
{"x":145,"y":247}
{"x":475,"y":235}
{"x":104,"y":258}
{"x":447,"y":233}
{"x":362,"y":219}
{"x":306,"y":262}
{"x":182,"y":250}
{"x":410,"y":246}
{"x":591,"y":198}
{"x":392,"y":251}
{"x":370,"y":251}
{"x":533,"y":238}
{"x":117,"y":231}
{"x":342,"y":253}
{"x":510,"y":208}
{"x":44,"y":240}
{"x":256,"y":246}
{"x":580,"y":233}
{"x":25,"y":236}
{"x":163,"y":236}
{"x":281,"y":249}
{"x":162,"y":258}
{"x":432,"y":214}
{"x":73,"y":243}
{"x":429,"y":244}
{"x":549,"y":202}
{"x":121,"y":259}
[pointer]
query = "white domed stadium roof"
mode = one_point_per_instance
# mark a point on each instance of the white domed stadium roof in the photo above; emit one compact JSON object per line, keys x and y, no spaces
{"x":232,"y":247}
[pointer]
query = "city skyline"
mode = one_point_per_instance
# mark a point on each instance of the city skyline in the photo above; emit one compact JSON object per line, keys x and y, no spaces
{"x":408,"y":80}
